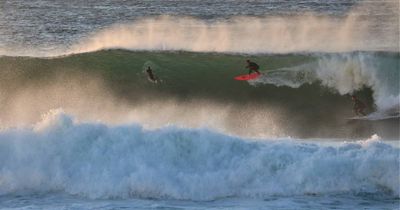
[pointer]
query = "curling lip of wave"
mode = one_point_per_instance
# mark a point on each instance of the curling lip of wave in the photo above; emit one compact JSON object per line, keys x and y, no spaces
{"x":97,"y":161}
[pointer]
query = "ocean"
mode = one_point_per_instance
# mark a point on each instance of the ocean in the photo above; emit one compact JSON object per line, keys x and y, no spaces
{"x":83,"y":127}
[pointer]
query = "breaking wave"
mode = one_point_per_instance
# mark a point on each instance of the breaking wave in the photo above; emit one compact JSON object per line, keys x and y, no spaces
{"x":99,"y":161}
{"x":197,"y":89}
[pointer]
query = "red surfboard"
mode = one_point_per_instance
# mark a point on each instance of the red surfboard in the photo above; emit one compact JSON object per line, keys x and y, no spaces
{"x":247,"y":76}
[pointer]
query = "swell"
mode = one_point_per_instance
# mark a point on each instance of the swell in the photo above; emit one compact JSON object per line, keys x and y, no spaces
{"x":301,"y":94}
{"x":245,"y":34}
{"x":98,"y":161}
{"x":367,"y":26}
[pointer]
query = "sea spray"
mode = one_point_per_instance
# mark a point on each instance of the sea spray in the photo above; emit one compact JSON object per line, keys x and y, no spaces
{"x":239,"y":35}
{"x":198,"y":139}
{"x":346,"y":74}
{"x":99,"y":161}
{"x":198,"y":91}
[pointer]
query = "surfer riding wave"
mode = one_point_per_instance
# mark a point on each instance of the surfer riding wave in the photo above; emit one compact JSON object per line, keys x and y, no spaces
{"x":252,"y":66}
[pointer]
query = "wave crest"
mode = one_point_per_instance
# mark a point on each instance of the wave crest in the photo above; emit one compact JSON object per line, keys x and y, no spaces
{"x":309,"y":32}
{"x":99,"y":161}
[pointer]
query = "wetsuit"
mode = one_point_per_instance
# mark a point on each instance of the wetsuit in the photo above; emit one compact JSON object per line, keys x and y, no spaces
{"x":151,"y":75}
{"x":253,"y":67}
{"x":359,"y":107}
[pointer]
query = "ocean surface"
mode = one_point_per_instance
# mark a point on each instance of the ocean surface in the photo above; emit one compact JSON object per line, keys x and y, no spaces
{"x":82,"y":126}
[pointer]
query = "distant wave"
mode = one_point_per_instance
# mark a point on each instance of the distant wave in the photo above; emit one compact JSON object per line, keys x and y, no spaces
{"x":367,"y":26}
{"x":249,"y":35}
{"x":306,"y":33}
{"x":98,"y":161}
{"x":358,"y":30}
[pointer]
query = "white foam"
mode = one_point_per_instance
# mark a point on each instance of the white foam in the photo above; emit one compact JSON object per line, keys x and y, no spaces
{"x":349,"y":73}
{"x":99,"y":161}
{"x":344,"y":73}
{"x":293,"y":77}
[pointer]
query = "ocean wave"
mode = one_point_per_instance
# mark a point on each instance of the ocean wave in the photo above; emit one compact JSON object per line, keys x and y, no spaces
{"x":198,"y":89}
{"x":261,"y":28}
{"x":345,"y":73}
{"x":244,"y":35}
{"x":99,"y":161}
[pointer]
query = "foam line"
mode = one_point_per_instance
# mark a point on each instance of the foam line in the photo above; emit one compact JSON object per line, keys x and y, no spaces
{"x":99,"y":161}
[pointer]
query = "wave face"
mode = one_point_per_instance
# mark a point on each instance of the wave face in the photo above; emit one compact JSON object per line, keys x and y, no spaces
{"x":303,"y":95}
{"x":99,"y":161}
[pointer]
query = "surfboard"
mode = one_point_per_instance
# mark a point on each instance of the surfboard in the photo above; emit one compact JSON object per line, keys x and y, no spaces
{"x":373,"y":118}
{"x":155,"y":81}
{"x":357,"y":118}
{"x":245,"y":77}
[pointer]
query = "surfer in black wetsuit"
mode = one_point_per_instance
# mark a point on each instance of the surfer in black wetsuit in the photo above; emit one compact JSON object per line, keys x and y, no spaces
{"x":252,"y":67}
{"x":358,"y":106}
{"x":150,"y":74}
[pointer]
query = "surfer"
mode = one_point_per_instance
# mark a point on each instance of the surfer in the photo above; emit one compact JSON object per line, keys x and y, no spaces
{"x":151,"y":75}
{"x":358,"y":106}
{"x":252,"y":67}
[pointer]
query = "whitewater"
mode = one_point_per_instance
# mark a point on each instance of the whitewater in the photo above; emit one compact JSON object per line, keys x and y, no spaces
{"x":119,"y":162}
{"x":82,"y":127}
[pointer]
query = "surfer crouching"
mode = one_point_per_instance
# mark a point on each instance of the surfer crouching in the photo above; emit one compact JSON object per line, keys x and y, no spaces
{"x":358,"y":106}
{"x":252,"y":67}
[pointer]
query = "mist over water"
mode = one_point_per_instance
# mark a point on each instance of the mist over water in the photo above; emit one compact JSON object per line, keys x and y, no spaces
{"x":259,"y":27}
{"x":298,"y":95}
{"x":82,"y":127}
{"x":305,"y":33}
{"x":99,"y":161}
